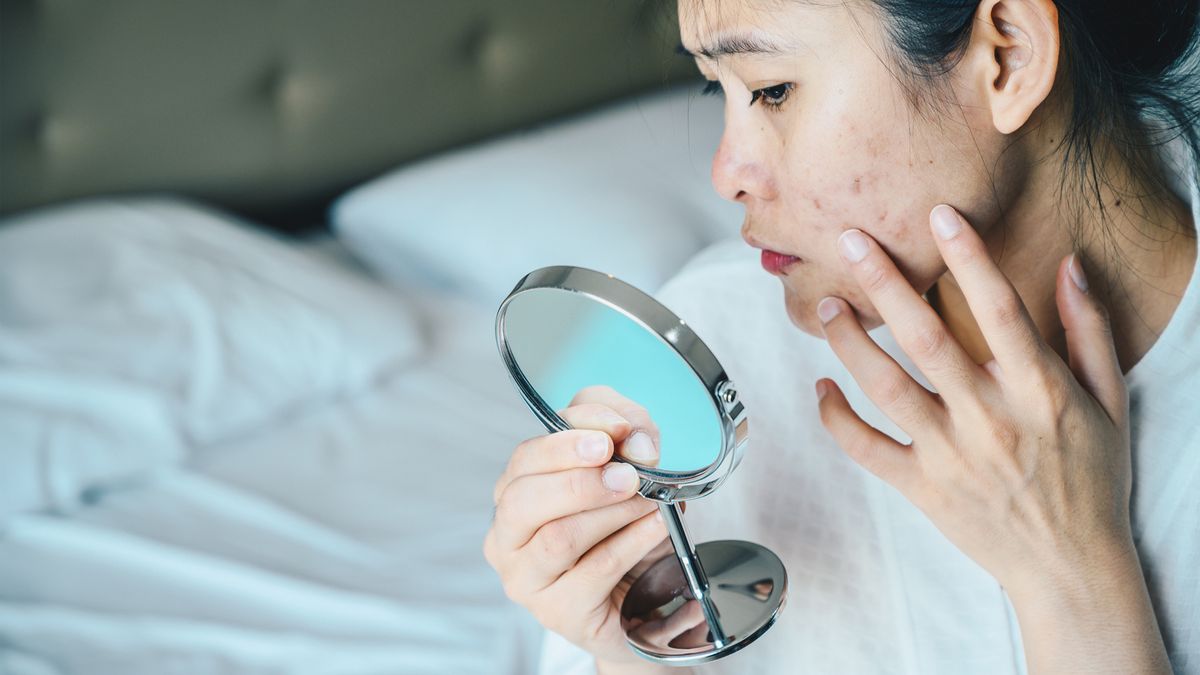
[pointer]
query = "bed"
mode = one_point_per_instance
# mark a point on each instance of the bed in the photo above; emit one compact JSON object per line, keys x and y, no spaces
{"x":250,"y":403}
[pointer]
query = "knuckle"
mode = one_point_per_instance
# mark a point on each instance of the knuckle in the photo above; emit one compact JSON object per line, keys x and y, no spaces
{"x":639,"y":418}
{"x":504,"y":510}
{"x":523,"y":450}
{"x":513,"y":503}
{"x":579,"y":484}
{"x":874,"y":278}
{"x":593,"y":416}
{"x":862,"y":449}
{"x":1006,"y":311}
{"x":593,"y":394}
{"x":604,"y":562}
{"x":930,"y":341}
{"x":891,"y":390}
{"x":558,"y":540}
{"x":636,"y":414}
{"x":1004,"y":434}
{"x":1057,"y":408}
{"x":488,"y":550}
{"x":513,"y":592}
{"x":1052,"y":391}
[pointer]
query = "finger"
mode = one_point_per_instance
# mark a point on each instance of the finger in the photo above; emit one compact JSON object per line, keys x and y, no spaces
{"x":533,"y":500}
{"x":918,"y":329}
{"x":874,"y":450}
{"x":641,"y":443}
{"x":1010,"y":333}
{"x":1092,"y":353}
{"x":559,"y":544}
{"x":591,"y":581}
{"x":663,"y":631}
{"x":598,"y":416}
{"x":911,"y":406}
{"x":555,"y":452}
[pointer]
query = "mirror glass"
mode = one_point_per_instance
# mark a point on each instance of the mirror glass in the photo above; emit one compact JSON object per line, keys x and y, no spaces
{"x":564,"y":341}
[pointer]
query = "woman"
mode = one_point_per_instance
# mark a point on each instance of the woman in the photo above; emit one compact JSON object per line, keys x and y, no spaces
{"x":986,"y":179}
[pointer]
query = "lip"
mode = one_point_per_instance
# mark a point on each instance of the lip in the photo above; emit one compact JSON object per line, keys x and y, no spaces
{"x":773,"y":261}
{"x":777,"y":263}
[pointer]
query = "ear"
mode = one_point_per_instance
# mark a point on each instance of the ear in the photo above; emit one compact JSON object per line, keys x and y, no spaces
{"x":1014,"y":47}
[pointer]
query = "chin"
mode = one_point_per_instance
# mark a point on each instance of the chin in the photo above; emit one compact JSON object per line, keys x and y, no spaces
{"x":803,"y":315}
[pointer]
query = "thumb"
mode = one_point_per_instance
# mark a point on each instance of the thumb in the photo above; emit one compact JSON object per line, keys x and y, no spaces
{"x":1091,"y":351}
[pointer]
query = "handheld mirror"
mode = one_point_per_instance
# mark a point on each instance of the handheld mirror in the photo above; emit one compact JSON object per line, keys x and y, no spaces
{"x":564,"y":329}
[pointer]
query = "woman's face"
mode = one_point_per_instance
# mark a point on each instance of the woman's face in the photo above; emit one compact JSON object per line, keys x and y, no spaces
{"x":820,"y":137}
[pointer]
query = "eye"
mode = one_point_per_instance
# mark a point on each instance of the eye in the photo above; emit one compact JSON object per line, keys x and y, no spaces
{"x":711,"y":88}
{"x":772,"y":97}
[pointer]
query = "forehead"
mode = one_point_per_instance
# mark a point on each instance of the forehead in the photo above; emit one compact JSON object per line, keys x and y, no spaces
{"x":716,"y":28}
{"x":703,"y":22}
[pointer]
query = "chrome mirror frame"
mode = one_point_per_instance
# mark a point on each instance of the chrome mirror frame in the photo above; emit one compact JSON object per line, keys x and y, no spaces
{"x":656,"y":484}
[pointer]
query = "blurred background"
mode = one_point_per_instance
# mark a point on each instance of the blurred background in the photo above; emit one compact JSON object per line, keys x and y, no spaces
{"x":251,"y":408}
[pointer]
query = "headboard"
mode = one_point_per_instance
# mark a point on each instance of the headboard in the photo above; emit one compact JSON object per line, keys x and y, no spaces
{"x":272,"y":107}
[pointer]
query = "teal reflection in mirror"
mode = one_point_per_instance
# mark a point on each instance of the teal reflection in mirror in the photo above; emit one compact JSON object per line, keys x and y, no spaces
{"x":564,"y":341}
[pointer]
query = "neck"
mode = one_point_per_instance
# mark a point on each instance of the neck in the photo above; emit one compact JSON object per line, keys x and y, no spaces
{"x":1138,"y":251}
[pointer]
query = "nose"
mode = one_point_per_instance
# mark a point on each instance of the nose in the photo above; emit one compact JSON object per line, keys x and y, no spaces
{"x":737,"y":172}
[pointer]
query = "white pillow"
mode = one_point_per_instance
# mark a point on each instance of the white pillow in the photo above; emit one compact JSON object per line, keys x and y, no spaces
{"x":133,"y":329}
{"x":625,"y":190}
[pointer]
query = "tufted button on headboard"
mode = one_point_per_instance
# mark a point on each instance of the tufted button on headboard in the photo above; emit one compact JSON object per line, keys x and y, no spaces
{"x":272,"y":107}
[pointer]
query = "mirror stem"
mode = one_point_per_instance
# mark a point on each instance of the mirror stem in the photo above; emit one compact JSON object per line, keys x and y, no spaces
{"x":693,"y":571}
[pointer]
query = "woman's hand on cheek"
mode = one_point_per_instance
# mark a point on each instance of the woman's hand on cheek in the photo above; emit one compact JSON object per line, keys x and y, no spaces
{"x":1023,"y":462}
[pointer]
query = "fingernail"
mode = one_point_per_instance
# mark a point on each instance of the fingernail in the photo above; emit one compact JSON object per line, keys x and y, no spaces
{"x":1075,"y":269}
{"x":619,"y":477}
{"x":640,"y":448}
{"x":853,"y":245}
{"x":827,"y":309}
{"x":592,"y":447}
{"x":822,"y":389}
{"x":945,"y":220}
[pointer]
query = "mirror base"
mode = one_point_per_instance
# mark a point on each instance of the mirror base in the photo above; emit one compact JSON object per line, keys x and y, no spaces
{"x":663,"y":622}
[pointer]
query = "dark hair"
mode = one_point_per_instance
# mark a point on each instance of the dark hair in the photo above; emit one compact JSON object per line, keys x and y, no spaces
{"x":1133,"y":73}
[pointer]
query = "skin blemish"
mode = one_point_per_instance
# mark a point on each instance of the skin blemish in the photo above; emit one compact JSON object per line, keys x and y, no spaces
{"x":817,"y":204}
{"x":856,"y":186}
{"x":883,"y":216}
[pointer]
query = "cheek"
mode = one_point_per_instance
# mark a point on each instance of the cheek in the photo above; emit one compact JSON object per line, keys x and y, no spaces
{"x":869,"y":179}
{"x":902,"y":232}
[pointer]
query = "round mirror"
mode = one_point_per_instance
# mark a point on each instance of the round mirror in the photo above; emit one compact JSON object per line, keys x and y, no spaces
{"x":565,"y":341}
{"x":565,"y":329}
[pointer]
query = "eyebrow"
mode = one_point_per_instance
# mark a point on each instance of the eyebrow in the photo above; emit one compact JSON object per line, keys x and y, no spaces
{"x":733,"y":44}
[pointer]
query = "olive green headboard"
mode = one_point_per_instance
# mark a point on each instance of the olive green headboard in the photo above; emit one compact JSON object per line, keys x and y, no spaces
{"x":272,"y":107}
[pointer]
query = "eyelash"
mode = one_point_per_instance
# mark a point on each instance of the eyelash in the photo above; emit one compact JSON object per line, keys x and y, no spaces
{"x":772,"y":97}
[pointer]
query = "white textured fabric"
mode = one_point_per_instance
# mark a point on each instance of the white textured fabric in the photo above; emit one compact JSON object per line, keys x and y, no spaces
{"x":873,"y":586}
{"x":132,"y":329}
{"x":624,"y":189}
{"x":343,"y":540}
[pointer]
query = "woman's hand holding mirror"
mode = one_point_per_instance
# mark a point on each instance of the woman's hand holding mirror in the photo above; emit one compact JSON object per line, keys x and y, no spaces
{"x":570,"y":532}
{"x":571,"y":541}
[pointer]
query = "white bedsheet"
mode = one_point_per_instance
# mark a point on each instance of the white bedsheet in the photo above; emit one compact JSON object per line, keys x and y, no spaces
{"x":344,"y":540}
